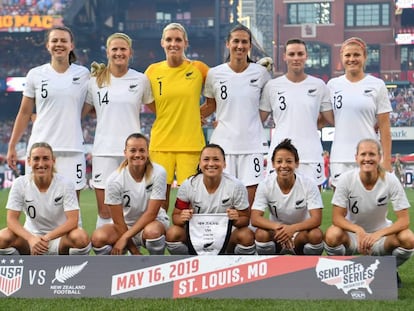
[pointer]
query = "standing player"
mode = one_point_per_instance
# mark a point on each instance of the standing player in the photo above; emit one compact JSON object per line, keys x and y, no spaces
{"x":360,"y":103}
{"x":233,"y":91}
{"x":176,"y":136}
{"x":295,"y":207}
{"x":134,"y":193}
{"x":298,"y":98}
{"x":360,"y":209}
{"x":211,"y":191}
{"x":56,"y":91}
{"x":117,"y":93}
{"x":51,"y":207}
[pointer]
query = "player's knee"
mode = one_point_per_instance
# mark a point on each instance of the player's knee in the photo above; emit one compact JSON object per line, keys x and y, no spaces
{"x":262,"y":235}
{"x":333,"y":236}
{"x":315,"y":236}
{"x":175,"y":234}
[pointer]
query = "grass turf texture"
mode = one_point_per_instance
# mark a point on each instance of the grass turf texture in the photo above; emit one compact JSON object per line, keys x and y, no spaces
{"x":88,"y":207}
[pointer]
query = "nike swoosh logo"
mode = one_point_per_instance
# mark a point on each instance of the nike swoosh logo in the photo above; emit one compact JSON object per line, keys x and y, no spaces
{"x":58,"y":199}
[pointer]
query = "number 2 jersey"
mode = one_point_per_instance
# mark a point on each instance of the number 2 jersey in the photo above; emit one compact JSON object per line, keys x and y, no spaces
{"x":122,"y":189}
{"x":59,"y":99}
{"x":369,"y":208}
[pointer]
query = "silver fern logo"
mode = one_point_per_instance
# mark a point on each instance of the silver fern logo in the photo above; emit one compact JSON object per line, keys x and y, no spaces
{"x":64,"y":273}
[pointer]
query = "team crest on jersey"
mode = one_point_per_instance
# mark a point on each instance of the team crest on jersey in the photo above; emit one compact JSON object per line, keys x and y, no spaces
{"x":10,"y":276}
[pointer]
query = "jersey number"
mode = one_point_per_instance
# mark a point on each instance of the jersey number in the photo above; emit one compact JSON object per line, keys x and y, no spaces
{"x":337,"y":102}
{"x":31,"y":211}
{"x":282,"y":101}
{"x":43,"y":92}
{"x":127,"y":200}
{"x":104,"y":99}
{"x":354,"y":208}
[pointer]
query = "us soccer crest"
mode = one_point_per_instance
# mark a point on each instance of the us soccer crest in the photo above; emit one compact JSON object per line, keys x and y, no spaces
{"x":11,"y":275}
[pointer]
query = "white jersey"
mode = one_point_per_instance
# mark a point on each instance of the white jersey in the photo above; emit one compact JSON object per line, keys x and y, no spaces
{"x":239,"y":129}
{"x":118,"y":108}
{"x":44,"y":211}
{"x":295,"y":108}
{"x":122,"y":189}
{"x":59,"y":99}
{"x":369,"y":208}
{"x":356,"y":106}
{"x":290,"y":208}
{"x":231,"y":193}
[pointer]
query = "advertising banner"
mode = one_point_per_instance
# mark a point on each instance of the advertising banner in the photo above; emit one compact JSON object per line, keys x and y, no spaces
{"x":278,"y":277}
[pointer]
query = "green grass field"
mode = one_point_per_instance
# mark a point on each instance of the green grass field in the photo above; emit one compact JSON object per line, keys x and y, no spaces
{"x":88,"y":206}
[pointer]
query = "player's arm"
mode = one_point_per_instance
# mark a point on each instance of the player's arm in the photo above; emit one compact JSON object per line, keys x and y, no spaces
{"x":71,"y":223}
{"x":117,"y":212}
{"x":151,"y":106}
{"x":314,"y":221}
{"x":87,"y":109}
{"x":384,"y":126}
{"x":258,"y":220}
{"x":339,"y":220}
{"x":208,"y":107}
{"x":264,"y":115}
{"x":20,"y":125}
{"x":241,"y":218}
{"x":326,"y":118}
{"x":147,"y":217}
{"x":182,"y":213}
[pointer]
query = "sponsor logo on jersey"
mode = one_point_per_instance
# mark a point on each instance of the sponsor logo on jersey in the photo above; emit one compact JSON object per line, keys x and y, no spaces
{"x":28,"y":201}
{"x":11,"y":276}
{"x":221,"y":82}
{"x":160,"y":77}
{"x":367,"y":92}
{"x":132,"y":87}
{"x":337,"y":92}
{"x":280,"y":93}
{"x":253,"y":80}
{"x":58,"y":199}
{"x":189,"y":74}
{"x":76,"y":80}
{"x":311,"y":91}
{"x":45,"y":80}
{"x":299,"y":204}
{"x":96,"y":177}
{"x":382,"y":201}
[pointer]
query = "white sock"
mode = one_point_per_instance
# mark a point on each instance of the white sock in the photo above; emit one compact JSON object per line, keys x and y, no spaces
{"x":313,"y":249}
{"x":245,"y":250}
{"x":9,"y":251}
{"x":335,"y":251}
{"x":177,"y":248}
{"x":104,"y":250}
{"x":81,"y":251}
{"x":156,"y":246}
{"x":265,"y":248}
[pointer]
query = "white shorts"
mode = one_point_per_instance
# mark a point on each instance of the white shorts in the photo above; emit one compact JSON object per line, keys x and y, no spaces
{"x":72,"y":165}
{"x":338,"y":168}
{"x":377,"y":249}
{"x":162,"y":217}
{"x":53,"y":247}
{"x":102,"y":167}
{"x":313,"y":171}
{"x":249,"y":168}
